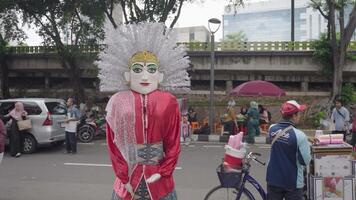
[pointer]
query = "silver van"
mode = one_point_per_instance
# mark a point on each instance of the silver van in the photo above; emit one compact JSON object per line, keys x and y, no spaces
{"x":45,"y":115}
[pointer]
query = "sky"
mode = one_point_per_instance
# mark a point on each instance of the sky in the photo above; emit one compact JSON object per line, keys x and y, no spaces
{"x":192,"y":14}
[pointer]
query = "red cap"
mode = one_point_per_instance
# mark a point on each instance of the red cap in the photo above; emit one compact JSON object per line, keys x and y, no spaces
{"x":291,"y":107}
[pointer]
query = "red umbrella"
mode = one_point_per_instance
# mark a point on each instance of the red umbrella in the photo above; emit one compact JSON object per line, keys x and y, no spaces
{"x":257,"y":88}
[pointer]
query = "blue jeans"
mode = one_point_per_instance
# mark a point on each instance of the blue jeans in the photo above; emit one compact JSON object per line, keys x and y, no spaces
{"x":71,"y":142}
{"x":277,"y":193}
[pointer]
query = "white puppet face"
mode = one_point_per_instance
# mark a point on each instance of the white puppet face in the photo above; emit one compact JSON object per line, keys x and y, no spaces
{"x":144,"y":76}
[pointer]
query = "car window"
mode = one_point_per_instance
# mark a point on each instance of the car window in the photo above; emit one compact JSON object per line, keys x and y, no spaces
{"x":6,"y":107}
{"x":32,"y":108}
{"x":56,"y":108}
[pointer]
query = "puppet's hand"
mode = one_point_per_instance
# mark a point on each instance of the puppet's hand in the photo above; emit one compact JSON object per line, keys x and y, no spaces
{"x":128,"y":187}
{"x":153,"y":178}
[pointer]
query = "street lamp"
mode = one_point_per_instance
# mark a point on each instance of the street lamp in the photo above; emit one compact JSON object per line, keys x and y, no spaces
{"x":216,"y":25}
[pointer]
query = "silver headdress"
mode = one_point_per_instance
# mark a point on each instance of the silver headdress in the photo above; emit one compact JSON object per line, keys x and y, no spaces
{"x":123,"y":42}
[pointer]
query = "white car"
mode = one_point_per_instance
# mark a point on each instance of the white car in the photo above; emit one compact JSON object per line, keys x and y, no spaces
{"x":45,"y":115}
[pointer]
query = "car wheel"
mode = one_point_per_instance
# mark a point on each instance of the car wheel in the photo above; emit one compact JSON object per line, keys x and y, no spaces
{"x":29,"y":144}
{"x":86,"y":133}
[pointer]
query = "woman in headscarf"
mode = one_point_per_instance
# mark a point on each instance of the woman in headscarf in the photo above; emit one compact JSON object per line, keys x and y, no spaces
{"x":253,"y":128}
{"x":16,"y":114}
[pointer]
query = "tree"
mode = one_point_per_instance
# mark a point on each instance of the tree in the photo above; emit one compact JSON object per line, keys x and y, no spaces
{"x":145,"y":10}
{"x":333,"y":10}
{"x":9,"y":31}
{"x":235,"y":37}
{"x":77,"y":20}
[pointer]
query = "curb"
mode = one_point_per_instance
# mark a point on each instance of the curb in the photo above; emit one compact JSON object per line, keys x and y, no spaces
{"x":225,"y":138}
{"x":258,"y":140}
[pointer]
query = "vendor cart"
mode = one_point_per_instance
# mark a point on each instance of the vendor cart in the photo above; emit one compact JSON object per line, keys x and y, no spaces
{"x":331,"y":173}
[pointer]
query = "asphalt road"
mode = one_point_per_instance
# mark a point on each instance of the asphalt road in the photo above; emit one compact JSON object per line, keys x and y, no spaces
{"x":51,"y":174}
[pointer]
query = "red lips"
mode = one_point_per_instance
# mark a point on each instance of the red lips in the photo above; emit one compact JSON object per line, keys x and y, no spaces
{"x":145,"y":84}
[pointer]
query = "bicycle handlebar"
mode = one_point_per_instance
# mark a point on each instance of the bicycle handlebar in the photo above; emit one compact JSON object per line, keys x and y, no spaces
{"x":262,"y":163}
{"x":256,"y":154}
{"x":251,"y":156}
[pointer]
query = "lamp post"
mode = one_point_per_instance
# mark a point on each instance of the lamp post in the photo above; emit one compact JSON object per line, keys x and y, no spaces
{"x":216,"y":25}
{"x":292,"y":21}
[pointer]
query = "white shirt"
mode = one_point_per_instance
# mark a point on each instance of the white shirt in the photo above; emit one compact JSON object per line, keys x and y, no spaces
{"x":71,"y":126}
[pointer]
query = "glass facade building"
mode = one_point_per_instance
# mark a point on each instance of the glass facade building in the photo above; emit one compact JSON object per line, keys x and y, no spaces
{"x":270,"y":20}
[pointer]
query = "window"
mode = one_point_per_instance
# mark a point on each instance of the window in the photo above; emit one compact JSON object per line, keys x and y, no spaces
{"x":56,"y":108}
{"x":32,"y":108}
{"x":191,"y":36}
{"x":6,"y":107}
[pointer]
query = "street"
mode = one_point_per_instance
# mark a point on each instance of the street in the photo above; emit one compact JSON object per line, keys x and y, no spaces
{"x":52,"y":174}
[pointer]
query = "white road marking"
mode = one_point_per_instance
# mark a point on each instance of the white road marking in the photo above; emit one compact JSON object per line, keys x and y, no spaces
{"x":88,"y":164}
{"x":103,"y":144}
{"x":97,"y":165}
{"x":89,"y":143}
{"x":213,"y":146}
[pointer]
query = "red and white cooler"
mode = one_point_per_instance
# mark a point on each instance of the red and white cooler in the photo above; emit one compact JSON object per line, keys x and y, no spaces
{"x":233,"y":157}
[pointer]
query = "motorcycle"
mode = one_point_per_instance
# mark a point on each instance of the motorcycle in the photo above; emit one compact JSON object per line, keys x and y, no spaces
{"x":89,"y":128}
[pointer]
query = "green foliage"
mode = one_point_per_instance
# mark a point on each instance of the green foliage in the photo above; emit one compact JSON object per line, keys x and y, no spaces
{"x":10,"y":30}
{"x":348,"y":93}
{"x":152,"y":10}
{"x":317,"y":117}
{"x":235,"y":37}
{"x":76,"y":20}
{"x":323,"y":53}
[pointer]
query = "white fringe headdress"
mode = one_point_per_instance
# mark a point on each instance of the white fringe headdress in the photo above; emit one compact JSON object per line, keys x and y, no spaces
{"x":123,"y":42}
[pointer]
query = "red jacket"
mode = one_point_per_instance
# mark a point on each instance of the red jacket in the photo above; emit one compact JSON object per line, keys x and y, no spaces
{"x":163,"y":118}
{"x":2,"y":136}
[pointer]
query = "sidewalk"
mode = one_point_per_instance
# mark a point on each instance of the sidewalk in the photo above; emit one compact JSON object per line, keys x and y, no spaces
{"x":262,"y":139}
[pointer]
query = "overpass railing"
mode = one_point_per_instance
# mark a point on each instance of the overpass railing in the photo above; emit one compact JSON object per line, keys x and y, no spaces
{"x":191,"y":46}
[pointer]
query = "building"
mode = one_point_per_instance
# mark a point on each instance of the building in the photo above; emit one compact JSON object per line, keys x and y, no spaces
{"x":193,"y":34}
{"x":270,"y":20}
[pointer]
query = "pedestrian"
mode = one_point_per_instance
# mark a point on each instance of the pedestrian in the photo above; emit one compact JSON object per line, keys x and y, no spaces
{"x":290,"y":153}
{"x":353,"y":130}
{"x":192,"y":115}
{"x":230,"y":124}
{"x":143,"y":121}
{"x":185,"y":130}
{"x":2,"y":139}
{"x":73,"y":116}
{"x":15,"y":136}
{"x":263,"y":114}
{"x":253,"y":118}
{"x":341,"y":117}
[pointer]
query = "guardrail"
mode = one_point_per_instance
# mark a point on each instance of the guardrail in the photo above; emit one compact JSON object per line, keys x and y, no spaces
{"x":191,"y":46}
{"x":52,"y":49}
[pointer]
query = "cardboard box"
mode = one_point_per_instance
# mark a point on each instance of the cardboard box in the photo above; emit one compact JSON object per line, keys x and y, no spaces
{"x":332,"y":165}
{"x":331,"y":188}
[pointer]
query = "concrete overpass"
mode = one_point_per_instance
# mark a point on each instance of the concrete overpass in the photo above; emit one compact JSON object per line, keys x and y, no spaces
{"x":293,"y":70}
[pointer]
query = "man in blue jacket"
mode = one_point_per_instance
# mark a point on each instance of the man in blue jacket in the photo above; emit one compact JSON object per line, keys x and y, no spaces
{"x":290,"y":153}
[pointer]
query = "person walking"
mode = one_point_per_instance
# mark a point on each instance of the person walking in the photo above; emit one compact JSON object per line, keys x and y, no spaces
{"x":290,"y":153}
{"x":16,"y":114}
{"x":253,"y":118}
{"x":2,"y":139}
{"x":73,"y":116}
{"x":341,"y":117}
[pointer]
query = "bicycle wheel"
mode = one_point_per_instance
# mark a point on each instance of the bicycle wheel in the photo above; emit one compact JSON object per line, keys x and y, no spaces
{"x":222,"y":193}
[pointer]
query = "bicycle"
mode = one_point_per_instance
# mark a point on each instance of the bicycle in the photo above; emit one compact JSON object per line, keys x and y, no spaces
{"x":232,"y":184}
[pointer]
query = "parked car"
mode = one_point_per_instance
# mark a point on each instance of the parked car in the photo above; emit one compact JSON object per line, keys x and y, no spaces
{"x":45,"y":115}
